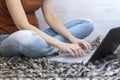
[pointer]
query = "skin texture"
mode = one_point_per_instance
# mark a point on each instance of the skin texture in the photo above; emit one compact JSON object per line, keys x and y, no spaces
{"x":19,"y":17}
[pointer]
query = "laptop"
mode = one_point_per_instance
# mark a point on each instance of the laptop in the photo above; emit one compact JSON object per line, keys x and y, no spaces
{"x":107,"y":47}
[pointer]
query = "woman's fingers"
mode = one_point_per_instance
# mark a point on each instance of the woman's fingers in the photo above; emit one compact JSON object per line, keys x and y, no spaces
{"x":89,"y":46}
{"x":86,"y":45}
{"x":71,"y":52}
{"x":73,"y":49}
{"x":77,"y":50}
{"x":81,"y":53}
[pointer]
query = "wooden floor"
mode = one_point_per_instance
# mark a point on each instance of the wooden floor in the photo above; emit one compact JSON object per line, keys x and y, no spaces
{"x":105,"y":14}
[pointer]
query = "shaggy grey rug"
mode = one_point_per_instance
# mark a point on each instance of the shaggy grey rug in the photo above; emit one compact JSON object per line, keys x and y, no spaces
{"x":23,"y":68}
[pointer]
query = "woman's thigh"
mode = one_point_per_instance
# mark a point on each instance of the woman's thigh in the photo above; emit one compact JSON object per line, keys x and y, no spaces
{"x":79,"y":28}
{"x":27,"y":43}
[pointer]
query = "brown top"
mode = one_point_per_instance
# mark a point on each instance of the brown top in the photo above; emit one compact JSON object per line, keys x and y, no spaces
{"x":6,"y":23}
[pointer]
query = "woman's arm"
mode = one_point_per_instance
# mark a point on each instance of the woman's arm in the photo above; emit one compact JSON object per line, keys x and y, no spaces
{"x":19,"y":17}
{"x":53,"y":20}
{"x":56,"y":24}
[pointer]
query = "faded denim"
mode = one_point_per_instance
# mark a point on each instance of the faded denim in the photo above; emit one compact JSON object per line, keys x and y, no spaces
{"x":28,"y":43}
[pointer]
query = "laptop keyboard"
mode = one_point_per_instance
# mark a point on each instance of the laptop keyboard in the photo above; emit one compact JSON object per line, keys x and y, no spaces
{"x":68,"y":58}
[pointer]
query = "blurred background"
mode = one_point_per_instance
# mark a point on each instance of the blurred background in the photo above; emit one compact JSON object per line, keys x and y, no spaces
{"x":105,"y":14}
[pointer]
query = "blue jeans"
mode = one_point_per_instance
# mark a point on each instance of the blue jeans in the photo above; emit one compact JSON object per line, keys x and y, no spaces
{"x":30,"y":44}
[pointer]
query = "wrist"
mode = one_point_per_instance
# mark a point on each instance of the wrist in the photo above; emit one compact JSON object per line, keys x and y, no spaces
{"x":72,"y":39}
{"x":58,"y":43}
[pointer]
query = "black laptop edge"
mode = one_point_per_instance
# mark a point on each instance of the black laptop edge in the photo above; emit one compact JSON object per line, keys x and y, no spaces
{"x":108,"y":45}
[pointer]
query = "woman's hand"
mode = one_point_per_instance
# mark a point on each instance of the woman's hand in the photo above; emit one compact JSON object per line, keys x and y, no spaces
{"x":73,"y":49}
{"x":82,"y":43}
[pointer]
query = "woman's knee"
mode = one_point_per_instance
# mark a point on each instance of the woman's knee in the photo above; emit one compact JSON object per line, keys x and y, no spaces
{"x":27,"y":43}
{"x":87,"y":24}
{"x":17,"y":41}
{"x":82,"y":28}
{"x":24,"y":37}
{"x":82,"y":23}
{"x":33,"y":45}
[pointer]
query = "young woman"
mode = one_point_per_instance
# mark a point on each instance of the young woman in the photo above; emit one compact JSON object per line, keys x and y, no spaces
{"x":20,"y":34}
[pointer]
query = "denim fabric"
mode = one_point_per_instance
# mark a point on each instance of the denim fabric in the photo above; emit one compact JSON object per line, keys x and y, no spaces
{"x":30,"y":44}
